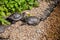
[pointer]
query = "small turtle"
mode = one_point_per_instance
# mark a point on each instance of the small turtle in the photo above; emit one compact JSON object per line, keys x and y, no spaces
{"x":15,"y":17}
{"x":32,"y":20}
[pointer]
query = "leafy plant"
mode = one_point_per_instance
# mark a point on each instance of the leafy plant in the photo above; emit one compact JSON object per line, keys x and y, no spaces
{"x":7,"y":7}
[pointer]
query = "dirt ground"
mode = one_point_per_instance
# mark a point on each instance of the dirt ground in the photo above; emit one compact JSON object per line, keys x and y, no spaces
{"x":48,"y":29}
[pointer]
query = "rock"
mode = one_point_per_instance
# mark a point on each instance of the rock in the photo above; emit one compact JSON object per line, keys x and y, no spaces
{"x":49,"y":9}
{"x":2,"y":29}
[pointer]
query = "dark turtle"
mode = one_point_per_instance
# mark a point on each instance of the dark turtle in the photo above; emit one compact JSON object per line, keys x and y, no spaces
{"x":32,"y":20}
{"x":15,"y":17}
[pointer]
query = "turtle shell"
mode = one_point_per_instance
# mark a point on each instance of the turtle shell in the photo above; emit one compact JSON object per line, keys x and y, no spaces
{"x":32,"y":20}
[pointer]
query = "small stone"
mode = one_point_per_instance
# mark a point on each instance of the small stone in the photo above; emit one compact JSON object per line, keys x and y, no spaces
{"x":2,"y":29}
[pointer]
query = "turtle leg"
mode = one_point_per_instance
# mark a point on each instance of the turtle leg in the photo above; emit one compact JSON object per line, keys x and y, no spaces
{"x":23,"y":24}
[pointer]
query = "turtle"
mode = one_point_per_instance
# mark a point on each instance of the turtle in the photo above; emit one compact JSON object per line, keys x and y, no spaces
{"x":32,"y":20}
{"x":15,"y":17}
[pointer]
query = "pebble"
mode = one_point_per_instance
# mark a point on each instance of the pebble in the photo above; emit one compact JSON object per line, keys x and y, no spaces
{"x":2,"y":29}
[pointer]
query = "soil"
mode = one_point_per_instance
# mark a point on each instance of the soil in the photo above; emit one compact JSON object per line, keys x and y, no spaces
{"x":48,"y":29}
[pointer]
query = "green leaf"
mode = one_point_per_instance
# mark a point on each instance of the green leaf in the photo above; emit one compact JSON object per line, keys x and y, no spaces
{"x":22,"y":1}
{"x":36,"y":4}
{"x":2,"y":14}
{"x":30,"y":7}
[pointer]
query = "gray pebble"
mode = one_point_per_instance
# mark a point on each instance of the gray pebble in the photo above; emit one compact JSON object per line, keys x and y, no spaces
{"x":2,"y":29}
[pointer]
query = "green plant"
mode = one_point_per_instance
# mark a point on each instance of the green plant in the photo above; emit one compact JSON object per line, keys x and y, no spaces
{"x":7,"y":7}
